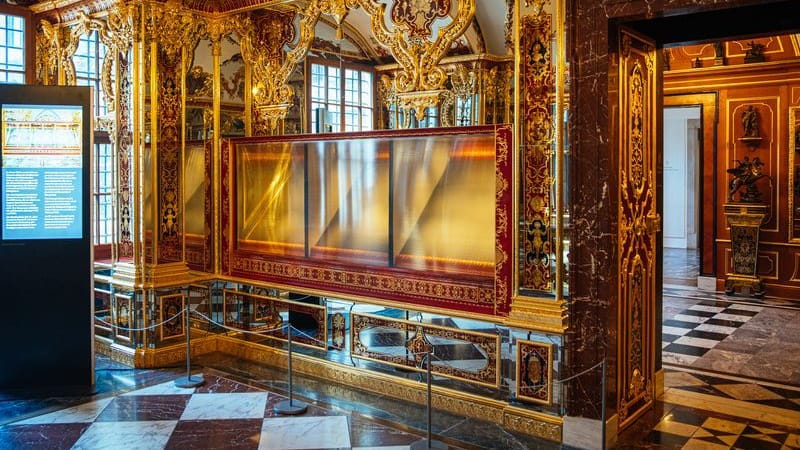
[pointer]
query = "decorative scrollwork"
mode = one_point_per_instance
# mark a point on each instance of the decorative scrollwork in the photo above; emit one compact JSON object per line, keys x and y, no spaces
{"x":411,"y":45}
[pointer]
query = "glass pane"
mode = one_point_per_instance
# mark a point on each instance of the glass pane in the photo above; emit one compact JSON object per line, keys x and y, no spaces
{"x":333,"y":85}
{"x":195,"y":189}
{"x":270,"y":210}
{"x":433,"y":181}
{"x":366,"y":119}
{"x":334,"y":117}
{"x":351,"y":118}
{"x":366,"y":89}
{"x":348,"y":186}
{"x":15,"y":57}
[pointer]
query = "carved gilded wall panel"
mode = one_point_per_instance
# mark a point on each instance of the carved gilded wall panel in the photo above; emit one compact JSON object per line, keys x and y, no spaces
{"x":639,"y":224}
{"x":170,"y":203}
{"x":538,"y":84}
{"x":403,"y":343}
{"x":124,"y":102}
{"x":535,"y":372}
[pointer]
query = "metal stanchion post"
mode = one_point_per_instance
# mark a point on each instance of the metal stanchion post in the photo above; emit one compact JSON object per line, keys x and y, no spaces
{"x":428,"y":442}
{"x":189,"y":381}
{"x":290,"y":407}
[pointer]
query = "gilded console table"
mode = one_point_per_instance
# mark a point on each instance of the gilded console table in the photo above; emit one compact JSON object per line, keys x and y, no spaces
{"x":745,"y":220}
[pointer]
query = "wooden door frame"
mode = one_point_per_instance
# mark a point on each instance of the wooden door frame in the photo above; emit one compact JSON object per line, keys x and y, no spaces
{"x":709,"y":116}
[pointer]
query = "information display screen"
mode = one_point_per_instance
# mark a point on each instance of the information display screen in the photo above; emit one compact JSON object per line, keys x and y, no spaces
{"x":42,"y":164}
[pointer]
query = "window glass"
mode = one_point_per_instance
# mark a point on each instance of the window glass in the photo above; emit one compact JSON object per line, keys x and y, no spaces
{"x":341,"y":97}
{"x":12,"y":49}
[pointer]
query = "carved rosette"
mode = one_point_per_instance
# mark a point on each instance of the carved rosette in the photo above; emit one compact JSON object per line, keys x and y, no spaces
{"x":538,"y":84}
{"x":638,"y":227}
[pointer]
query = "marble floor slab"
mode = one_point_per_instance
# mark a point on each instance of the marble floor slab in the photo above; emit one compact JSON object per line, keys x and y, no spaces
{"x":727,"y":335}
{"x":221,"y":414}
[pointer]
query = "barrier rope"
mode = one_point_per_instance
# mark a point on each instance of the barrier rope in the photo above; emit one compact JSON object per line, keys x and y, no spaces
{"x":239,"y":330}
{"x":439,"y":360}
{"x":151,"y":327}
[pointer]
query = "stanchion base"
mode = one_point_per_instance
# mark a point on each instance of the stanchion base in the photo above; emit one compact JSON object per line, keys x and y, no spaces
{"x":190,"y":381}
{"x":293,"y":409}
{"x":422,"y":444}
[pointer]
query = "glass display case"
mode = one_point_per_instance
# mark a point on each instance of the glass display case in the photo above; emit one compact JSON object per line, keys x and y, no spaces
{"x":389,"y":208}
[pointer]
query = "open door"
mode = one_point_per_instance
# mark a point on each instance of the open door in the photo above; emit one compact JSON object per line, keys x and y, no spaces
{"x":639,"y":223}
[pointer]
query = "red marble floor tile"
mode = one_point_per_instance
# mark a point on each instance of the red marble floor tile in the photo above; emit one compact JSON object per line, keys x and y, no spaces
{"x":54,"y":436}
{"x":235,"y":434}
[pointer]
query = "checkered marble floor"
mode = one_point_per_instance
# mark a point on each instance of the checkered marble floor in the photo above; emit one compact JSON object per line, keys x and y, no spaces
{"x":732,"y":335}
{"x":705,"y":411}
{"x":221,"y":414}
{"x":697,"y":329}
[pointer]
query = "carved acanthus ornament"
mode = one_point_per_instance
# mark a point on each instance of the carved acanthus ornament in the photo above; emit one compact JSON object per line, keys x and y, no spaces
{"x":410,"y":40}
{"x":172,"y":28}
{"x":116,"y":33}
{"x":55,"y":46}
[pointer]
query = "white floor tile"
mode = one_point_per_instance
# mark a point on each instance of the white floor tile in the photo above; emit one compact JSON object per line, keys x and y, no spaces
{"x":714,"y":309}
{"x":238,"y":405}
{"x":167,"y":388}
{"x":675,"y":330}
{"x":693,"y":319}
{"x":696,"y":342}
{"x":297,"y":433}
{"x":747,"y":307}
{"x":715,"y":328}
{"x":128,"y":435}
{"x":677,"y":359}
{"x":84,"y":413}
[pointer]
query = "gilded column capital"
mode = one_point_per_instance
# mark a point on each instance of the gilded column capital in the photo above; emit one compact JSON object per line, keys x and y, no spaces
{"x":173,"y":28}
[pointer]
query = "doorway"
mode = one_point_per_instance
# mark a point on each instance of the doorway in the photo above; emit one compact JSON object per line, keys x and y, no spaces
{"x":688,"y":211}
{"x":682,"y":159}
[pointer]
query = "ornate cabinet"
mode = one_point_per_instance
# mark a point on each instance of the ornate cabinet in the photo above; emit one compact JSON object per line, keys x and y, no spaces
{"x":745,"y":221}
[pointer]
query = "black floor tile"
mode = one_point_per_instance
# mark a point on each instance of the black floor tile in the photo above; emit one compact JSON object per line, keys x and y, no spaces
{"x":686,"y":349}
{"x":707,"y":335}
{"x":681,"y":324}
{"x":691,"y":312}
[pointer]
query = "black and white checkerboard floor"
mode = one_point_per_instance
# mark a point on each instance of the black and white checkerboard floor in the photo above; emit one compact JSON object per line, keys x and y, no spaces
{"x":221,"y":414}
{"x":694,"y":331}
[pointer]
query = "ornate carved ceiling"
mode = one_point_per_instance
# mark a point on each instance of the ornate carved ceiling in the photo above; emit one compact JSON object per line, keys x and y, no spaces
{"x":485,"y":34}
